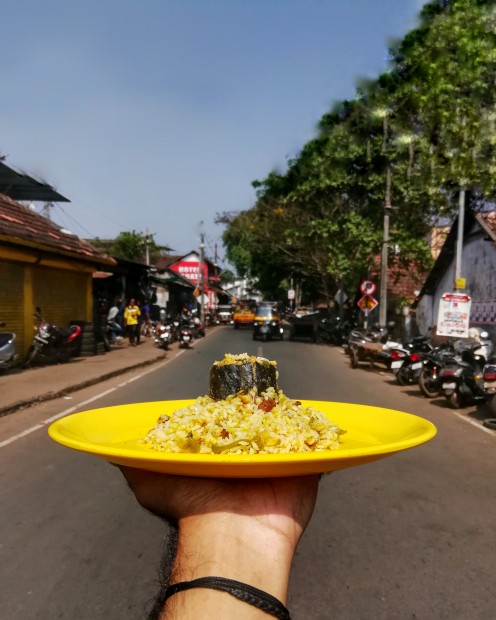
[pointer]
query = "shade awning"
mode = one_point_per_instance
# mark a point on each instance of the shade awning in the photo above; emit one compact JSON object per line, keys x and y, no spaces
{"x":20,"y":186}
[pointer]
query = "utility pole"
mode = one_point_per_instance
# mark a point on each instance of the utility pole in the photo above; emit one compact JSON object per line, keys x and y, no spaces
{"x":147,"y":250}
{"x":202,"y":278}
{"x":459,"y":241}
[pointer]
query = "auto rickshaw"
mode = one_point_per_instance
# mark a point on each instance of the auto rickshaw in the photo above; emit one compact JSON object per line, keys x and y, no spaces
{"x":267,"y":323}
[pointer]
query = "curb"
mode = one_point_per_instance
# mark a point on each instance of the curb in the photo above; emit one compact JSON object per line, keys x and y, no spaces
{"x":24,"y":404}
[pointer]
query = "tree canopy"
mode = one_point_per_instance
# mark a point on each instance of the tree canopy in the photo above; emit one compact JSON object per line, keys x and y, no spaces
{"x":131,"y":245}
{"x":408,"y":141}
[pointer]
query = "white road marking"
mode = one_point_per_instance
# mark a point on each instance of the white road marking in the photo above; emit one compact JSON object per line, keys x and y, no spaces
{"x":474,"y":423}
{"x":44,"y":423}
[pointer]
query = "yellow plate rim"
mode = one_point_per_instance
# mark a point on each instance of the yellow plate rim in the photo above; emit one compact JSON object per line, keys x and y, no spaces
{"x":423,"y":431}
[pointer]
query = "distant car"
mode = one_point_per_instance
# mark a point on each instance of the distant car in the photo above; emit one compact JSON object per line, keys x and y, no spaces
{"x":224,"y":314}
{"x":243,"y":315}
{"x":304,"y":325}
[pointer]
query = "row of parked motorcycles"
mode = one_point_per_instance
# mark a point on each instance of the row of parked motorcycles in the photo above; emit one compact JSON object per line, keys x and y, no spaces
{"x":59,"y":344}
{"x":50,"y":341}
{"x":182,"y":329}
{"x":462,"y":370}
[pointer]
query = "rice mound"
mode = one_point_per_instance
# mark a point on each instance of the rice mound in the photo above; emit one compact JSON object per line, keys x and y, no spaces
{"x":252,"y":423}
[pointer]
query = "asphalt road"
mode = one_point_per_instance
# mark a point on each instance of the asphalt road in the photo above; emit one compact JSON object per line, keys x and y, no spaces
{"x":407,"y":537}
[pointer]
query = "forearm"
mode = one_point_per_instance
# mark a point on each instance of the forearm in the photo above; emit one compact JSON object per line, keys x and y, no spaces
{"x":232,"y":546}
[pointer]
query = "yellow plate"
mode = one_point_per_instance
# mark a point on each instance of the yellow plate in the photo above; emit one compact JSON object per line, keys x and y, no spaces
{"x":113,"y":433}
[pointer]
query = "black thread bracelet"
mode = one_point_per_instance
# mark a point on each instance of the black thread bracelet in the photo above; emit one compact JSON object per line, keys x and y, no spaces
{"x":242,"y":591}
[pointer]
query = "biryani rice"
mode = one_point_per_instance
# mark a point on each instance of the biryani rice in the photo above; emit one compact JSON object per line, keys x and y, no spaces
{"x":238,"y":425}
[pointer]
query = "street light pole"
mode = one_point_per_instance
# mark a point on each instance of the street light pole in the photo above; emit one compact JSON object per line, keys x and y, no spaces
{"x":384,"y":253}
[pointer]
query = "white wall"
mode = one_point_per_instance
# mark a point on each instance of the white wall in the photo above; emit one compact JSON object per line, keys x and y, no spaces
{"x":479,"y":270}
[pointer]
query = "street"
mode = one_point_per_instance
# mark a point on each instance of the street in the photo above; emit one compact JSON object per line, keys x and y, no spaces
{"x":411,"y":536}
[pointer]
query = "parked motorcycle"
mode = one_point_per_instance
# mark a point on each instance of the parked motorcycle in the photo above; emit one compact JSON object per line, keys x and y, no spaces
{"x":8,"y":355}
{"x":462,"y":376}
{"x":334,"y":330}
{"x":432,"y":363}
{"x":163,"y":335}
{"x":53,"y":342}
{"x":184,"y":333}
{"x":489,"y":378}
{"x":407,"y":361}
{"x":197,"y":327}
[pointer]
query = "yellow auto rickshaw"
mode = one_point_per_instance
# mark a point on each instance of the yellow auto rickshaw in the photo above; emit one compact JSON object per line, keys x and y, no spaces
{"x":267,"y":323}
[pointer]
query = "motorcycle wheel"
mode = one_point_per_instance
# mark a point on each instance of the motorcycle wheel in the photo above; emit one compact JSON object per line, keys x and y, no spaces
{"x":425,"y":385}
{"x":455,"y":400}
{"x":32,"y":353}
{"x":402,"y":377}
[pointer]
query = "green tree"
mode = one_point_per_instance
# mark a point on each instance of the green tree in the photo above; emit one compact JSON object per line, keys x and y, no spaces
{"x":409,"y":139}
{"x":131,"y":245}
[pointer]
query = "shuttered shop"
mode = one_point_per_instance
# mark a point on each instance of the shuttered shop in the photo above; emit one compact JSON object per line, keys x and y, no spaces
{"x":61,"y":295}
{"x":12,"y":301}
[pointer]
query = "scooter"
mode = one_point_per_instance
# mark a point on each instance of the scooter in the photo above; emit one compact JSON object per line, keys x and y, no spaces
{"x":407,"y":364}
{"x":53,"y":342}
{"x":462,"y":377}
{"x":8,"y":355}
{"x":183,"y":331}
{"x":163,"y":336}
{"x":185,"y":336}
{"x":429,"y":381}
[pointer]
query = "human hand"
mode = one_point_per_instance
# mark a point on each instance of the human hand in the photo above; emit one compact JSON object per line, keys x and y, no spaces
{"x":244,"y":529}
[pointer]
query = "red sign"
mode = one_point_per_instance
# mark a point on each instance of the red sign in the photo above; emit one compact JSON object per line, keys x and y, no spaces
{"x":367,"y":303}
{"x":190,"y":270}
{"x":367,"y":287}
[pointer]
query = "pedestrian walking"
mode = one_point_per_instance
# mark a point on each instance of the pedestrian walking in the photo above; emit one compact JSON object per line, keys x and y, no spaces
{"x":131,"y":319}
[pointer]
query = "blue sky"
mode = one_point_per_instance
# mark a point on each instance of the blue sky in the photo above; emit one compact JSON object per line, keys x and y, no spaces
{"x":158,"y":114}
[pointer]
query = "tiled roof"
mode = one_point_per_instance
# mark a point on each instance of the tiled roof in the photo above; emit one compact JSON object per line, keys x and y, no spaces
{"x":402,"y":282}
{"x":164,"y":262}
{"x":20,"y":225}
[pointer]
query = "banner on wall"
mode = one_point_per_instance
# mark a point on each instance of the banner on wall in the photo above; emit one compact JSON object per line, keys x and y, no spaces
{"x":454,"y":315}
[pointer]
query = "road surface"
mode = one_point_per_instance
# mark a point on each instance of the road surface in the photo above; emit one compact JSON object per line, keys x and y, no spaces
{"x":407,"y":537}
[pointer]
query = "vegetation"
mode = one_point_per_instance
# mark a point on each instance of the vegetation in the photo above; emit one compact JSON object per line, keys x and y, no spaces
{"x":131,"y":245}
{"x":407,"y":142}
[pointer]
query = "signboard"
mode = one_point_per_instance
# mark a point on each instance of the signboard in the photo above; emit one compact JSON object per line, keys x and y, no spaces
{"x":291,"y":294}
{"x":454,"y":315}
{"x":340,"y":297}
{"x":367,"y":303}
{"x":367,"y":287}
{"x":460,"y":283}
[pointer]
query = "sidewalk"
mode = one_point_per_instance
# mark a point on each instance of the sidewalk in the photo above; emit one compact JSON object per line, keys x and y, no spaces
{"x":23,"y":388}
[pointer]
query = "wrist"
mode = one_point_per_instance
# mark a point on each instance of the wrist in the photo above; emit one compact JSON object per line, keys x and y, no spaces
{"x":238,"y":547}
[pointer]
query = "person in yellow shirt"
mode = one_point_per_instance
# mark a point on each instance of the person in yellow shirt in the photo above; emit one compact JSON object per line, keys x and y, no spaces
{"x":131,"y":316}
